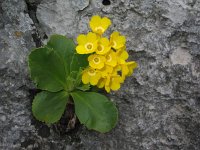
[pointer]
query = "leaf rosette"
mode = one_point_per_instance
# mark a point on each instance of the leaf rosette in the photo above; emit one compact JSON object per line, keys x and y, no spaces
{"x":57,"y":69}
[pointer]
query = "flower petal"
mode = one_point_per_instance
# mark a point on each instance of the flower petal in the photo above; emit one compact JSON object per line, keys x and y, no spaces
{"x":124,"y":55}
{"x":105,"y":23}
{"x":104,"y":41}
{"x":80,"y":49}
{"x":111,"y":59}
{"x":131,"y":66}
{"x":85,"y":77}
{"x":125,"y":70}
{"x":95,"y":22}
{"x":107,"y":88}
{"x":114,"y":34}
{"x":101,"y":83}
{"x":91,"y":37}
{"x":115,"y":84}
{"x":94,"y":79}
{"x":81,"y":39}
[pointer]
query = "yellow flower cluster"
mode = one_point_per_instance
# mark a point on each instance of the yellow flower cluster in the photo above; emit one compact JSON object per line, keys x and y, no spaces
{"x":107,"y":62}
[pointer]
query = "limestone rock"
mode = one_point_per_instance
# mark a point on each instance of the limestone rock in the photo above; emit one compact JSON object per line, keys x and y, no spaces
{"x":57,"y":17}
{"x":159,"y":105}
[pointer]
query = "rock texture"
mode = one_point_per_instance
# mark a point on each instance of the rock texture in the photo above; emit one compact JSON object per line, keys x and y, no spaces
{"x":159,"y":106}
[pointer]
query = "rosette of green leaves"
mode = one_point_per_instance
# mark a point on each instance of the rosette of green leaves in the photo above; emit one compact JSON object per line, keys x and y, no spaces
{"x":56,"y":70}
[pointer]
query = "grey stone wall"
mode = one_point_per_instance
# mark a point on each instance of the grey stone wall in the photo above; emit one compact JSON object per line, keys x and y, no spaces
{"x":159,"y":105}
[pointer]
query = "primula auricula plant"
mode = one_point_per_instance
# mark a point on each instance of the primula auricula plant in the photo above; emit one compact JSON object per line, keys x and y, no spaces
{"x":63,"y":70}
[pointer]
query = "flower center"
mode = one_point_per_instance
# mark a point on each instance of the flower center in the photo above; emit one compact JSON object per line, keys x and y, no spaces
{"x":89,"y":46}
{"x":100,"y":48}
{"x":96,"y":60}
{"x":108,"y":58}
{"x":99,"y":30}
{"x":91,"y":72}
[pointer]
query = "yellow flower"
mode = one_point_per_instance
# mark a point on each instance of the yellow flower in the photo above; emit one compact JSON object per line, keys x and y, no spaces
{"x":117,"y":41}
{"x":124,"y":71}
{"x":117,"y":70}
{"x":101,"y":83}
{"x":131,"y":66}
{"x":122,"y":55}
{"x":103,"y":46}
{"x":99,"y":25}
{"x":110,"y":80}
{"x":113,"y":83}
{"x":127,"y":68}
{"x":87,"y":43}
{"x":106,"y":70}
{"x":111,"y":58}
{"x":96,"y":61}
{"x":91,"y":76}
{"x":107,"y":63}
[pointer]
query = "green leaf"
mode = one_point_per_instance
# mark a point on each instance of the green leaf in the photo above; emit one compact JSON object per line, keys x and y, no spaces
{"x":49,"y":107}
{"x":70,"y":83}
{"x":84,"y":87}
{"x":73,"y":80}
{"x":47,"y":69}
{"x":65,"y":48}
{"x":78,"y":61}
{"x":95,"y":111}
{"x":78,"y":77}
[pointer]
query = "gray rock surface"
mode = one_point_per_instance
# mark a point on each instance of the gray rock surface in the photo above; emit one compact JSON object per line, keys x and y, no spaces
{"x":159,"y":106}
